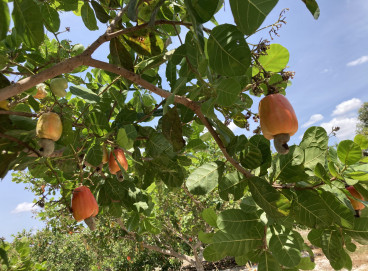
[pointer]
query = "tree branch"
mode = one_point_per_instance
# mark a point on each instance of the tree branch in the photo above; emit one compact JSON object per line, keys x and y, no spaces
{"x":24,"y":114}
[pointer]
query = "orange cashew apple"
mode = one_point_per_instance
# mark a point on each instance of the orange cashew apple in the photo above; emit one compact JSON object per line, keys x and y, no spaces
{"x":120,"y":157}
{"x":278,"y":120}
{"x":84,"y":206}
{"x":48,"y":129}
{"x":357,"y":205}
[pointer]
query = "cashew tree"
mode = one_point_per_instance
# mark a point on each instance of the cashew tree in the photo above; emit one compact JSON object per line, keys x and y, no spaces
{"x":146,"y":130}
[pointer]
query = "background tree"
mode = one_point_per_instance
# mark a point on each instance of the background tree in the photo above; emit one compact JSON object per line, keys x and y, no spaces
{"x":183,"y":163}
{"x":362,"y":127}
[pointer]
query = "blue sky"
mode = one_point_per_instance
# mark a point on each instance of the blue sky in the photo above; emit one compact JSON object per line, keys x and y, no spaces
{"x":329,"y":56}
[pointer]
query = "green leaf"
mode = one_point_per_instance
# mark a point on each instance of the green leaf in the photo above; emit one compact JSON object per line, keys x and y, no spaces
{"x":209,"y":215}
{"x":306,"y":264}
{"x":4,"y":19}
{"x":132,"y":9}
{"x":145,"y":43}
{"x":158,"y":144}
{"x":94,"y":154}
{"x":126,"y":136}
{"x":234,"y":221}
{"x":321,"y":173}
{"x":228,"y":52}
{"x":50,"y":18}
{"x":205,"y":178}
{"x":289,"y":168}
{"x":312,"y":7}
{"x":349,"y":152}
{"x":237,"y":244}
{"x":205,"y":237}
{"x":27,"y":19}
{"x":133,"y":221}
{"x":196,"y":144}
{"x":339,"y":212}
{"x":228,"y":90}
{"x":360,"y":230}
{"x":203,"y":10}
{"x":359,"y":175}
{"x":250,"y":14}
{"x":308,"y":209}
{"x":332,"y":246}
{"x":213,"y":255}
{"x":232,"y":183}
{"x":268,"y":198}
{"x":101,"y":14}
{"x":268,"y":262}
{"x":362,"y":141}
{"x":88,"y":17}
{"x":286,"y":249}
{"x":120,"y":55}
{"x":276,"y":59}
{"x":172,"y":129}
{"x":251,"y":156}
{"x":4,"y":256}
{"x":85,"y":93}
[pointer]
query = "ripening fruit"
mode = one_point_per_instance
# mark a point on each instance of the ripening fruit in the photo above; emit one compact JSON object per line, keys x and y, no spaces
{"x":41,"y":91}
{"x":278,"y":120}
{"x":4,"y":105}
{"x":129,"y":258}
{"x":120,"y":157}
{"x":105,"y":155}
{"x":84,"y":206}
{"x":58,"y":86}
{"x":48,"y":129}
{"x":357,"y":205}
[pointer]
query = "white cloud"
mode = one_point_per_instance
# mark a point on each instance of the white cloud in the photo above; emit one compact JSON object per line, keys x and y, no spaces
{"x":312,"y":120}
{"x":347,"y":127}
{"x":25,"y":207}
{"x":347,"y":106}
{"x":358,"y":61}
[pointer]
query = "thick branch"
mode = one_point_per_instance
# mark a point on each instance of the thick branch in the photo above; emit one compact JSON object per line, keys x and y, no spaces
{"x":29,"y":82}
{"x":24,"y":114}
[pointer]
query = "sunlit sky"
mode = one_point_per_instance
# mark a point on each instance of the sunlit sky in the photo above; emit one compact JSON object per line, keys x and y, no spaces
{"x":328,"y":55}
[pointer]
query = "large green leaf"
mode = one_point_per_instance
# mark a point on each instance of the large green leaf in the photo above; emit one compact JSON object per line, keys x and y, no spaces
{"x":50,"y":17}
{"x":349,"y":152}
{"x":126,"y":136}
{"x":101,"y":14}
{"x":235,"y":221}
{"x":308,"y":209}
{"x":85,"y":93}
{"x":172,"y":129}
{"x":341,"y":214}
{"x":312,"y":7}
{"x":94,"y":154}
{"x":145,"y":42}
{"x":228,"y":52}
{"x":88,"y":17}
{"x":237,"y":244}
{"x":268,"y":262}
{"x":362,"y":141}
{"x":250,"y":14}
{"x":359,"y":175}
{"x":209,"y":215}
{"x":28,"y":23}
{"x":4,"y":19}
{"x":232,"y":183}
{"x":360,"y":230}
{"x":203,"y":10}
{"x":205,"y":178}
{"x":228,"y":90}
{"x":268,"y":198}
{"x":158,"y":144}
{"x":120,"y":55}
{"x":289,"y":168}
{"x":251,"y":156}
{"x":332,"y":246}
{"x":276,"y":59}
{"x":285,"y":247}
{"x":210,"y":253}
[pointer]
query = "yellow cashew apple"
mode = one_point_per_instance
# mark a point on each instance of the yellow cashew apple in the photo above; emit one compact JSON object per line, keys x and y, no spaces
{"x":49,"y":129}
{"x":58,"y":86}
